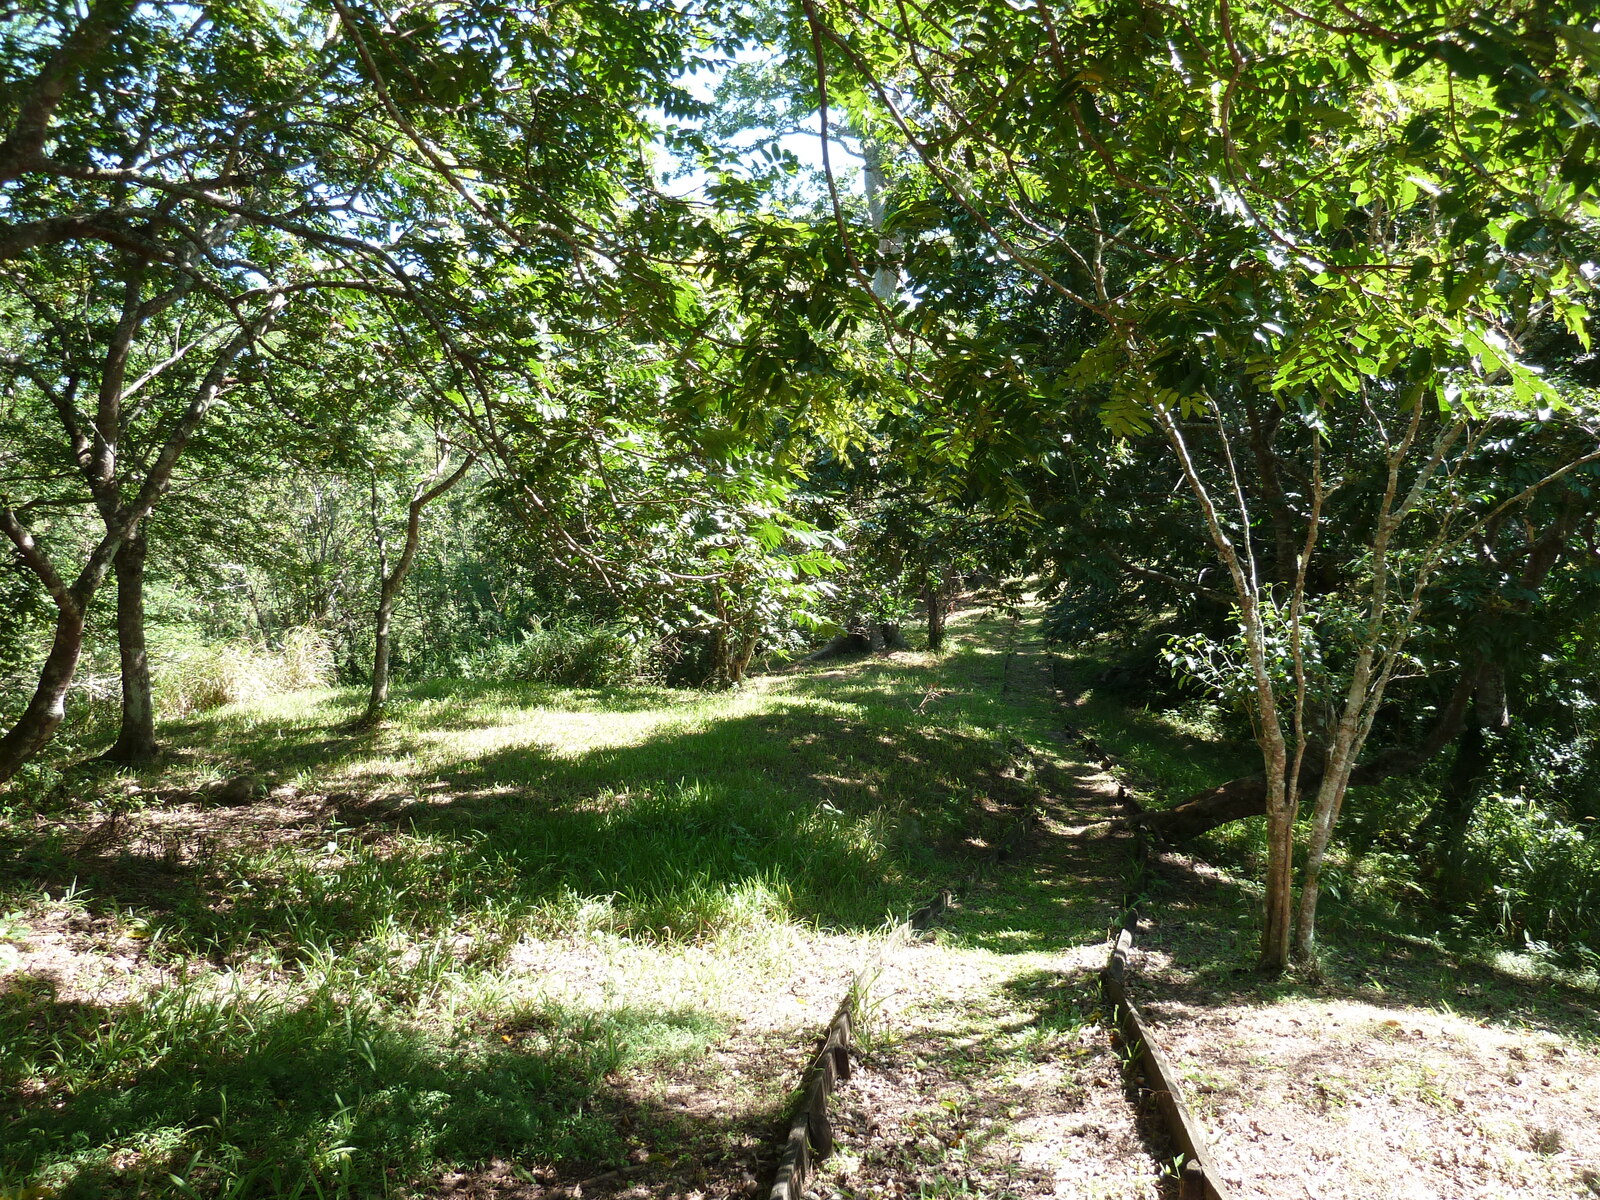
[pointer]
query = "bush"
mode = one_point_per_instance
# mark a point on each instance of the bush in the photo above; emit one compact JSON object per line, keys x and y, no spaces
{"x":1542,"y":874}
{"x":196,"y":678}
{"x":566,"y":653}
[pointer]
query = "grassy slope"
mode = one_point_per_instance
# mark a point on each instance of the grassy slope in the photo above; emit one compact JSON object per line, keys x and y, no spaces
{"x":294,"y":962}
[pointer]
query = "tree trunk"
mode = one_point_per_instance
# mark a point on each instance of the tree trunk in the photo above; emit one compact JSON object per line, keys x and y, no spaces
{"x":739,"y":660}
{"x":391,"y":582}
{"x":1451,"y":817}
{"x":46,"y":710}
{"x":1247,"y":796}
{"x":1279,"y":898}
{"x":378,"y":697}
{"x":933,"y":602}
{"x":1204,"y":811}
{"x":48,"y":707}
{"x":136,"y":739}
{"x":885,"y":275}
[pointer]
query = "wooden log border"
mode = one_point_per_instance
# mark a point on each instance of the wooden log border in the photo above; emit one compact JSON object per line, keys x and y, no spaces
{"x":1198,"y":1180}
{"x":810,"y":1135}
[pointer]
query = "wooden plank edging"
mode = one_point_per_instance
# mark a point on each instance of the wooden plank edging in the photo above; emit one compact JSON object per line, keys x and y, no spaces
{"x":1198,"y":1179}
{"x":809,"y":1128}
{"x":810,"y":1136}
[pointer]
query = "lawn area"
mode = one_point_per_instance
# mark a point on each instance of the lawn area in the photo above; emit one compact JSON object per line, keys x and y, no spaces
{"x":521,"y":935}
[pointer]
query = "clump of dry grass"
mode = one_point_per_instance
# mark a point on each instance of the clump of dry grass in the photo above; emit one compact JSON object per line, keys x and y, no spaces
{"x":199,"y":678}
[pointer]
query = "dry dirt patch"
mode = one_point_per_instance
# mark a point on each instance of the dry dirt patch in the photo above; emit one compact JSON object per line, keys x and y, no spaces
{"x":1351,"y":1090}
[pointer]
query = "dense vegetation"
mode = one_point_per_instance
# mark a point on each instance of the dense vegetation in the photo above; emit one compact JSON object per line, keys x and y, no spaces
{"x":440,"y":349}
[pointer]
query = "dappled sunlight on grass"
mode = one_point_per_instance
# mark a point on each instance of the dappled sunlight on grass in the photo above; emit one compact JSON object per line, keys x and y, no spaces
{"x":518,"y":896}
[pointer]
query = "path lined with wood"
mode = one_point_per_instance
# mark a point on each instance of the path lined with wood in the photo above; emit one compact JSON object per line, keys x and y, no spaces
{"x":985,"y":1065}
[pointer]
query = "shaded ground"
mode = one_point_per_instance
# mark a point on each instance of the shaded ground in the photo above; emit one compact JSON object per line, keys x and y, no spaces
{"x":987,"y":1068}
{"x":1414,"y":1066}
{"x":523,"y":941}
{"x":1406,"y":1073}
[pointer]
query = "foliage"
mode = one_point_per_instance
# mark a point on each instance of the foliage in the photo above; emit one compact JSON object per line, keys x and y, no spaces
{"x":565,"y":653}
{"x":1537,"y":879}
{"x":1286,"y":259}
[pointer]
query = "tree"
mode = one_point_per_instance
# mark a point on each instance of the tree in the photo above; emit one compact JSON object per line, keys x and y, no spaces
{"x":1305,"y":210}
{"x":208,"y":170}
{"x":391,"y":578}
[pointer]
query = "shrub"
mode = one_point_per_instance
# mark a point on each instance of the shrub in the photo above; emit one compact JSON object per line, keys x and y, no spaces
{"x":566,"y":653}
{"x":1541,"y":874}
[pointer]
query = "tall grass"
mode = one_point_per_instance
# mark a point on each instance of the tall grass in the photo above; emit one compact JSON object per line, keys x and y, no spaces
{"x":196,"y":677}
{"x":570,"y":654}
{"x":1537,"y":877}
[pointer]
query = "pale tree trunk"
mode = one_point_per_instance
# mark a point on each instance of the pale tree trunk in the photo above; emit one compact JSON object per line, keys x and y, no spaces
{"x":136,"y":739}
{"x":391,"y":582}
{"x":1366,"y":692}
{"x":739,"y":660}
{"x":885,"y":278}
{"x":1381,"y":646}
{"x":48,"y":705}
{"x":1278,"y":901}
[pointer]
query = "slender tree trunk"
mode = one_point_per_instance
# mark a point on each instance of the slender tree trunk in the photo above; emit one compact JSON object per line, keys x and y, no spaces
{"x":1450,"y":816}
{"x":136,"y":739}
{"x":933,"y":602}
{"x":1330,"y":799}
{"x":391,"y":583}
{"x":1281,"y":802}
{"x":48,"y":707}
{"x":1464,"y":788}
{"x":46,"y":710}
{"x":886,"y":276}
{"x":740,"y":661}
{"x":378,"y":697}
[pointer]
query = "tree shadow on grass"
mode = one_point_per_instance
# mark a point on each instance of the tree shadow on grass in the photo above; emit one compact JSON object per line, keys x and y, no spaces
{"x":1209,"y":924}
{"x":842,"y":820}
{"x":812,"y":816}
{"x":249,"y":1097}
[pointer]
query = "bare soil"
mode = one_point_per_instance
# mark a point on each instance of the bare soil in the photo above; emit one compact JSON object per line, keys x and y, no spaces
{"x":980,"y":1089}
{"x":1404,"y":1074}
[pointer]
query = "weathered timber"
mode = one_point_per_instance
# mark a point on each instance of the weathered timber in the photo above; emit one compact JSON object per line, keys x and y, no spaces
{"x":810,"y":1136}
{"x":1197,"y":1181}
{"x":810,"y":1132}
{"x":1162,"y":1082}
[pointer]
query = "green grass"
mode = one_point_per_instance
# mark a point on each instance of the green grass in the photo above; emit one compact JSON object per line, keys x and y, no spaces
{"x":344,"y":1010}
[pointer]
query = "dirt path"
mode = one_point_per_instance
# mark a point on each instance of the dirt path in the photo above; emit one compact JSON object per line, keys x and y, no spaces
{"x":986,"y":1068}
